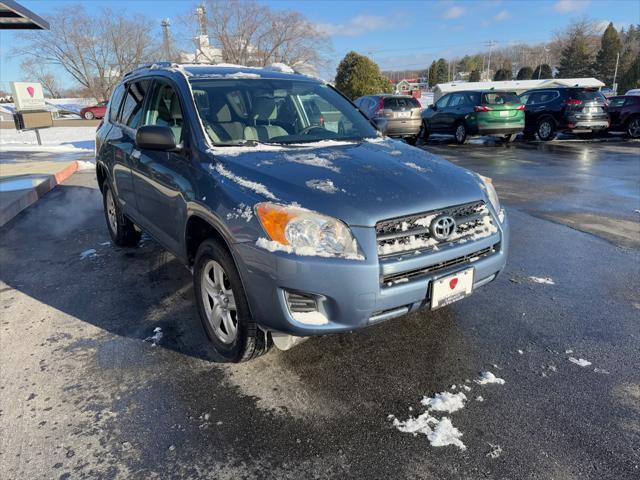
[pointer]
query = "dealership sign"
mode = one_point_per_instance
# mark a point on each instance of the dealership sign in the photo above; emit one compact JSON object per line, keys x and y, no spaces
{"x":27,"y":96}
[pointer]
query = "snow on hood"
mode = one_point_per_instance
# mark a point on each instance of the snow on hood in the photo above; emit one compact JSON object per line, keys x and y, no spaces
{"x":357,"y":182}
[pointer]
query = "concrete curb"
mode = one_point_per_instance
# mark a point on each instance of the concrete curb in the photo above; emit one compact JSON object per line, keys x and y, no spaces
{"x":32,"y":195}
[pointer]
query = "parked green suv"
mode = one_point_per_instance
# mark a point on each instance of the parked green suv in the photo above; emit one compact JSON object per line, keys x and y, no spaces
{"x":480,"y":112}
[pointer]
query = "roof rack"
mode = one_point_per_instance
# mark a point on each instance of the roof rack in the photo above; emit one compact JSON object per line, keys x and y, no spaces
{"x":146,"y":66}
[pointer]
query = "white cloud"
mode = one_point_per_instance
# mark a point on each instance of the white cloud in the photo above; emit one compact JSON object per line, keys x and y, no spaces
{"x":454,"y":12}
{"x":502,"y":15}
{"x":358,"y":25}
{"x":568,"y":6}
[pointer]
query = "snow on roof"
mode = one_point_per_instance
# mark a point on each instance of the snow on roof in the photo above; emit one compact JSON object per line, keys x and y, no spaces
{"x":517,"y":85}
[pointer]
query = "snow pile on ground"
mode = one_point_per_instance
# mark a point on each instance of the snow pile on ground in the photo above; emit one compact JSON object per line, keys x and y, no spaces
{"x":326,"y":186}
{"x":54,"y":139}
{"x":580,"y":361}
{"x":440,"y":431}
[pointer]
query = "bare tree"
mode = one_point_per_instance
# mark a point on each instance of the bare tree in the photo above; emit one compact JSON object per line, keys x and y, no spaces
{"x":37,"y":71}
{"x":251,"y":34}
{"x":95,"y":50}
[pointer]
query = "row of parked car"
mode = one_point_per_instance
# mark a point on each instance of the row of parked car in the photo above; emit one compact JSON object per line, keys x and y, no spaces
{"x":542,"y":112}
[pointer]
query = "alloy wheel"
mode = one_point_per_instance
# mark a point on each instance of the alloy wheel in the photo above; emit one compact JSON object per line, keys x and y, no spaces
{"x":111,"y":212}
{"x":544,"y":131}
{"x":88,"y":115}
{"x":219,"y":302}
{"x":634,"y":128}
{"x":460,"y":133}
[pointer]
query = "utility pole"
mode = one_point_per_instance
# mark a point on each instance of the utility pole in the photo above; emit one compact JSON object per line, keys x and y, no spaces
{"x":490,"y":44}
{"x":166,"y":39}
{"x":614,"y":87}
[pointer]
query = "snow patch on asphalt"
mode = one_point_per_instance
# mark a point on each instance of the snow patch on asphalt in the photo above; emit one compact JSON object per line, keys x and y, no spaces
{"x":156,"y":337}
{"x":487,"y":378}
{"x":495,"y":452}
{"x":542,"y":280}
{"x":445,"y":402}
{"x":580,"y":361}
{"x":90,"y":253}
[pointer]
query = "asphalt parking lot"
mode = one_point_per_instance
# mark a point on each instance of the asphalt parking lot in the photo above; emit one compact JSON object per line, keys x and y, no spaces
{"x":85,"y":393}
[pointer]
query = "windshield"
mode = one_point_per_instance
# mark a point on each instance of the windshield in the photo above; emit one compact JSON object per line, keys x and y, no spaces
{"x":249,"y":111}
{"x":500,"y":98}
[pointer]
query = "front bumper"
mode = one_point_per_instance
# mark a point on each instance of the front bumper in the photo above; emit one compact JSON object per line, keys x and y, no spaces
{"x":350,"y":292}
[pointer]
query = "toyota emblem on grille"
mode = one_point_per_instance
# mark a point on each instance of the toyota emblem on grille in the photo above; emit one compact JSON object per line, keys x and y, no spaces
{"x":442,"y":227}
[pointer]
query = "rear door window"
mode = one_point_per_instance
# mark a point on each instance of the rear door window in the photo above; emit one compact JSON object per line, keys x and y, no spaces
{"x":442,"y":103}
{"x":133,"y":102}
{"x":114,"y":103}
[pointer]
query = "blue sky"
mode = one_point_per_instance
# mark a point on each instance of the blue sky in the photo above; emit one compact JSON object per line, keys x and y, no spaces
{"x":401,"y":34}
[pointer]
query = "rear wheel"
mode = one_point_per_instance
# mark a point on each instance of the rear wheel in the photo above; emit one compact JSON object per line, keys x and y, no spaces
{"x":88,"y":115}
{"x":509,"y":138}
{"x":461,"y":134}
{"x":633,"y":127}
{"x":223,"y":307}
{"x":546,"y":130}
{"x":122,"y":231}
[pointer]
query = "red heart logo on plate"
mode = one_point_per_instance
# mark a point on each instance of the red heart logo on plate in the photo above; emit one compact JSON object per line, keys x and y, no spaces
{"x":31,"y":91}
{"x":453,"y":282}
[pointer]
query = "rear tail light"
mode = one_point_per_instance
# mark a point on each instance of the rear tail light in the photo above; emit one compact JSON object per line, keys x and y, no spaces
{"x":572,"y":101}
{"x":520,"y":107}
{"x":481,"y":108}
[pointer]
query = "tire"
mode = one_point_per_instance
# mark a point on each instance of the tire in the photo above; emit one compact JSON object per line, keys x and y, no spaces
{"x":411,"y":140}
{"x":510,"y":138}
{"x":460,"y":134}
{"x":122,"y":231}
{"x":88,"y":115}
{"x":546,"y":130}
{"x":228,"y":323}
{"x":633,"y":127}
{"x":424,"y":132}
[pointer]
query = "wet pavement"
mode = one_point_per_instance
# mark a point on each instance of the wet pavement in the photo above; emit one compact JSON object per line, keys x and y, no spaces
{"x":84,"y":393}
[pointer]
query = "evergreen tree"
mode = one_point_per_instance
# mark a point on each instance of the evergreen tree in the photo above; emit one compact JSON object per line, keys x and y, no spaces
{"x":525,"y":73}
{"x":358,"y":75}
{"x":474,"y":76}
{"x":575,"y":61}
{"x":442,"y":71}
{"x":542,"y":72}
{"x":433,"y":80}
{"x":605,"y":64}
{"x":502,"y":74}
{"x":631,"y":76}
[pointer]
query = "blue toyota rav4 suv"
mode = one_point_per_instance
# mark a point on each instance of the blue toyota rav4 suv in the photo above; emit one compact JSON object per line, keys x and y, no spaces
{"x":295,"y":214}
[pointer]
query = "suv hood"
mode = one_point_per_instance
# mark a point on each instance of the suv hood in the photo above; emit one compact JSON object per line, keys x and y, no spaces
{"x":359,"y":183}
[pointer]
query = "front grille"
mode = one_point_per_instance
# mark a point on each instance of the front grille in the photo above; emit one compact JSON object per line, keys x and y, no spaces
{"x":300,"y":303}
{"x":410,"y":275}
{"x":410,"y":233}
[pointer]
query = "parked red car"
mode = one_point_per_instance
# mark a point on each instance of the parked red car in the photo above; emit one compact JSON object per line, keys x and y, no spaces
{"x":624,"y":114}
{"x":94,"y":111}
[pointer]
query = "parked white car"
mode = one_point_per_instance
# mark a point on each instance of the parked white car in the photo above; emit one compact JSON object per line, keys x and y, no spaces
{"x":635,"y":91}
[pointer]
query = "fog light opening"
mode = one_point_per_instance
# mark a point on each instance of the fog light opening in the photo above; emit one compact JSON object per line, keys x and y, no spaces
{"x":304,"y":308}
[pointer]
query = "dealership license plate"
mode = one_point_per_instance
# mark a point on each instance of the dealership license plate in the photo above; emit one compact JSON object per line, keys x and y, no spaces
{"x":504,"y":113}
{"x":404,"y":114}
{"x":451,"y":288}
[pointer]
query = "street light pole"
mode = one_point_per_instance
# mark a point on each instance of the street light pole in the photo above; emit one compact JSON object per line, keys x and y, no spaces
{"x":614,"y":87}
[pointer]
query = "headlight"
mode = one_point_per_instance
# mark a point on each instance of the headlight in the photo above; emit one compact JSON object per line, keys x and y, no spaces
{"x":491,"y":192}
{"x":304,"y":232}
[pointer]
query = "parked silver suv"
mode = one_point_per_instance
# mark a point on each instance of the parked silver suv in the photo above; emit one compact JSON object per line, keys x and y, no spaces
{"x":295,"y":215}
{"x":398,"y":116}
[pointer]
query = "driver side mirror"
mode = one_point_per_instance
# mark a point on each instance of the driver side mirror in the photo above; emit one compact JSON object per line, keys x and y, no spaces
{"x":156,"y":137}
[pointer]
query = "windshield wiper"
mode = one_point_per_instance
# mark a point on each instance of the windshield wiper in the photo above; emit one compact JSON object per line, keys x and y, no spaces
{"x":239,"y":143}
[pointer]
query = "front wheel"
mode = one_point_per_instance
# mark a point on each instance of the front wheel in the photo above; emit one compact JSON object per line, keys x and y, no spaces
{"x":223,"y":307}
{"x":633,"y":127}
{"x":122,"y":231}
{"x":88,"y":115}
{"x":424,"y":132}
{"x":461,"y":134}
{"x":546,"y":130}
